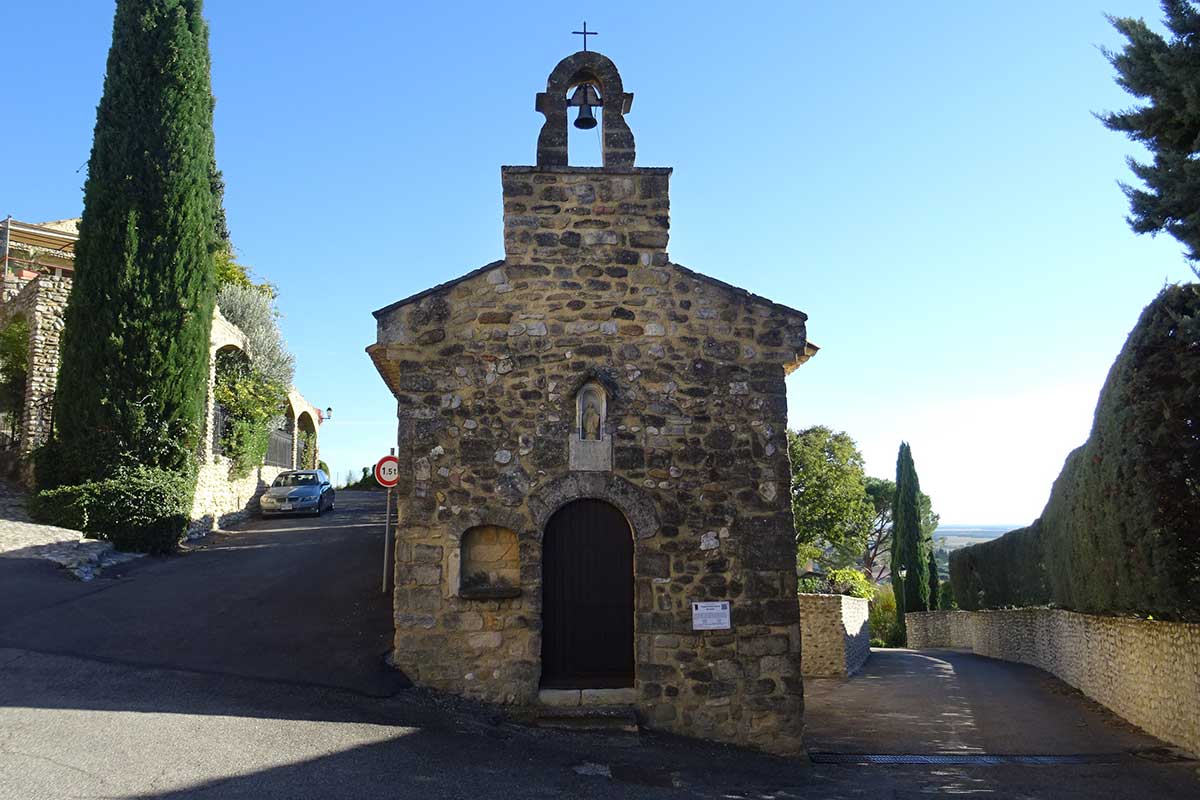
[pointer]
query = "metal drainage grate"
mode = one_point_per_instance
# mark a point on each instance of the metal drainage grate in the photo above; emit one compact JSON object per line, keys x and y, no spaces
{"x":976,"y":759}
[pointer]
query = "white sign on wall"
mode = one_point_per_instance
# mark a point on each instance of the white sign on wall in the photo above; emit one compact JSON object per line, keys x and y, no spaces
{"x":711,"y":616}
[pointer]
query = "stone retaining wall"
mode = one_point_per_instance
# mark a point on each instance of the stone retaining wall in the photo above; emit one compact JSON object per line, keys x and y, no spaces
{"x":835,"y":638}
{"x":1146,"y":671}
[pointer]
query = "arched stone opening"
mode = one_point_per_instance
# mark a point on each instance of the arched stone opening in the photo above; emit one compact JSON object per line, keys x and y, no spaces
{"x":585,"y":67}
{"x":306,"y":441}
{"x":226,"y":358}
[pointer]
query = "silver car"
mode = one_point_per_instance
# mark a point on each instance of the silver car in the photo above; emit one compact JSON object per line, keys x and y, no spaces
{"x":302,"y":491}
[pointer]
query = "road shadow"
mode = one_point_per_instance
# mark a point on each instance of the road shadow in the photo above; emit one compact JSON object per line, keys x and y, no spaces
{"x":286,"y":599}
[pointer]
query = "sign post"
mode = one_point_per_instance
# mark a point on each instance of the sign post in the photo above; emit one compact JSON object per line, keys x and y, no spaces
{"x":387,"y":474}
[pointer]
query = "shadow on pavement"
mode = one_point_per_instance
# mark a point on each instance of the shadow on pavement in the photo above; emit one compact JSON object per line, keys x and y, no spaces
{"x":290,"y":599}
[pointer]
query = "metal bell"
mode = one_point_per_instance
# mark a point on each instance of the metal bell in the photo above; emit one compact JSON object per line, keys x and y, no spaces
{"x":585,"y":120}
{"x":585,"y":97}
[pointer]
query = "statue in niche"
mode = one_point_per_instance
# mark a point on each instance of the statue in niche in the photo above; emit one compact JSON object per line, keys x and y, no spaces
{"x":590,"y":446}
{"x":591,"y":413}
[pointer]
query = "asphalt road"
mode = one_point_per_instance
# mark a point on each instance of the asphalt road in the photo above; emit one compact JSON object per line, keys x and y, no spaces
{"x":286,"y":598}
{"x":251,"y":667}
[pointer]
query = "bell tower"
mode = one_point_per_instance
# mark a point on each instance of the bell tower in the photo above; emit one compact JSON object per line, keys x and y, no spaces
{"x":603,"y":220}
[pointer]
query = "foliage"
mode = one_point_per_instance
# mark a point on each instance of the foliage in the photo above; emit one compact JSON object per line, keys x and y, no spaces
{"x":14,"y":366}
{"x":946,"y":597}
{"x":881,"y":493}
{"x":252,"y":309}
{"x":1119,"y":533}
{"x":365,"y":483}
{"x":321,"y":465}
{"x":852,"y":582}
{"x":137,"y":508}
{"x":1008,"y":571}
{"x":848,"y":581}
{"x":908,"y":552}
{"x":1120,"y":529}
{"x":253,"y":404}
{"x":136,"y":341}
{"x":934,"y":587}
{"x":1166,"y":74}
{"x":228,"y":271}
{"x":306,"y":450}
{"x":829,"y":501}
{"x":881,"y":617}
{"x":812,"y":584}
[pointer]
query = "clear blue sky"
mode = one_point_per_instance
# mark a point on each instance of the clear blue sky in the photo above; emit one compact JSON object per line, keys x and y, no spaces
{"x":924,"y":179}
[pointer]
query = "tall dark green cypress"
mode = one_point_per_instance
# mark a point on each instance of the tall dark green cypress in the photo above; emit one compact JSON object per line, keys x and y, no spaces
{"x":934,"y":582}
{"x":908,"y":552}
{"x":132,"y":385}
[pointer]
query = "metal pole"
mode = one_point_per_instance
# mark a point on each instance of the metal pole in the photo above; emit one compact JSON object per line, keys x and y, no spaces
{"x":387,"y":535}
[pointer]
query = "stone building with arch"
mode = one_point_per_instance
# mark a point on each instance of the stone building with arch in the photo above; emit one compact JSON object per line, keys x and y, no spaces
{"x":37,"y":270}
{"x":593,"y":442}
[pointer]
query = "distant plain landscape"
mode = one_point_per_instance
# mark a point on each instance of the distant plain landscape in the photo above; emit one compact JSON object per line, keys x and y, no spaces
{"x":952,"y":537}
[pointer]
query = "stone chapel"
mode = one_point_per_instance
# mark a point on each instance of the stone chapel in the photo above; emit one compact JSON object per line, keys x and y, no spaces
{"x":594,"y":504}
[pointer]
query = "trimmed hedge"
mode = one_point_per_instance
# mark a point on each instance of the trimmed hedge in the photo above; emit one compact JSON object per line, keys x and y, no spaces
{"x":1124,"y":516}
{"x":139,"y":509}
{"x":1008,"y":571}
{"x":1121,"y":531}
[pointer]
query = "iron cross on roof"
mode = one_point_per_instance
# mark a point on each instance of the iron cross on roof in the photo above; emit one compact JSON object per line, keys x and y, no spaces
{"x":585,"y":33}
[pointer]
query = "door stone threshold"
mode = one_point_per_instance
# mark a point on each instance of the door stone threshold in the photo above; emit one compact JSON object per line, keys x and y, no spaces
{"x":569,"y":698}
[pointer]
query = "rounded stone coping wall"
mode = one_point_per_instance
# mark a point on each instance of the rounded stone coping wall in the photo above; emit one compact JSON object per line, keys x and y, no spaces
{"x":835,"y":636}
{"x":1146,"y":671}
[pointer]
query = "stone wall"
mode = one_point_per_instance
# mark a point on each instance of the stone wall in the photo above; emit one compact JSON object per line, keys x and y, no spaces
{"x":1146,"y":671}
{"x":41,"y":302}
{"x":835,"y":638}
{"x":485,"y":371}
{"x":222,"y":500}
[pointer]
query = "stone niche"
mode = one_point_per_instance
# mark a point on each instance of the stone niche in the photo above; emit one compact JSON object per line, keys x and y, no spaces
{"x":489,"y":565}
{"x":590,"y":443}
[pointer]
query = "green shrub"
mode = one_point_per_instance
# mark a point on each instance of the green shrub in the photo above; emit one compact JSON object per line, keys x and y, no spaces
{"x":882,"y":618}
{"x":1008,"y":571}
{"x":878,"y":643}
{"x":139,"y":509}
{"x":946,"y":597}
{"x":321,"y":465}
{"x":852,"y":582}
{"x":812,"y":585}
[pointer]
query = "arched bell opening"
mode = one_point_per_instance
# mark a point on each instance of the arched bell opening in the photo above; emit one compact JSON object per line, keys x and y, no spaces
{"x":585,"y":129}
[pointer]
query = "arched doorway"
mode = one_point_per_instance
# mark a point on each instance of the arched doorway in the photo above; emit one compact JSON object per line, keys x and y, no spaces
{"x":587,"y":598}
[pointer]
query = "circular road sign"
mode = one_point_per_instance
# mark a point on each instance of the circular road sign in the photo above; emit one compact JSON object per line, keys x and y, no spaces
{"x":387,"y":471}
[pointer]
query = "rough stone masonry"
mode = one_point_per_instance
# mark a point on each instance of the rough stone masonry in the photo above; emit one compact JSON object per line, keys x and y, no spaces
{"x":586,"y":365}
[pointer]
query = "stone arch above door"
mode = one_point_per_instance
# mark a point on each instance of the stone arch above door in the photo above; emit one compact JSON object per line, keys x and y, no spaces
{"x":639,"y":508}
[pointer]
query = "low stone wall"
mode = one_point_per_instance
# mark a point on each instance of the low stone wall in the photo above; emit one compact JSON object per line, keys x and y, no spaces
{"x":835,"y":637}
{"x":221,"y":500}
{"x":1147,"y":672}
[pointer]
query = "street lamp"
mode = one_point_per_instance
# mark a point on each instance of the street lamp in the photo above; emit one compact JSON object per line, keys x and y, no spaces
{"x":329,"y":412}
{"x":902,"y":572}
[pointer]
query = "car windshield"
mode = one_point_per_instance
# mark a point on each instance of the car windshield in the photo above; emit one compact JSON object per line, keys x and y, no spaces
{"x":296,"y":479}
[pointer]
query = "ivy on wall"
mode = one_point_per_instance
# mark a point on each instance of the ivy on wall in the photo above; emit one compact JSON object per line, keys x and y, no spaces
{"x":253,"y":404}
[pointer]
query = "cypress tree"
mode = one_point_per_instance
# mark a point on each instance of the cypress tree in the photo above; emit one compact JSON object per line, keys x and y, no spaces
{"x":133,"y":382}
{"x":907,"y":550}
{"x":934,"y":583}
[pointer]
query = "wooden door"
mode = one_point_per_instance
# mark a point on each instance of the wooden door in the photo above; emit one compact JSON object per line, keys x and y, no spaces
{"x":587,"y":598}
